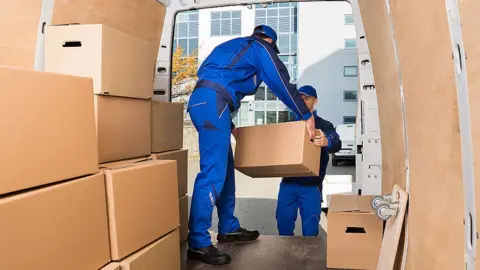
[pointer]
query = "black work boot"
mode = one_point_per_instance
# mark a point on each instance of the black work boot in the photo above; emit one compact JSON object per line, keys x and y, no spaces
{"x":239,"y":235}
{"x":208,"y":255}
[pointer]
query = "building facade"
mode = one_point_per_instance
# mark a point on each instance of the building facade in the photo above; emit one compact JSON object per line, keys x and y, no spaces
{"x":316,"y":42}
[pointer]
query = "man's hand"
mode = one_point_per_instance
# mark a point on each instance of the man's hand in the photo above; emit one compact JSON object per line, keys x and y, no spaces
{"x":311,"y":127}
{"x":235,"y":132}
{"x":320,"y":139}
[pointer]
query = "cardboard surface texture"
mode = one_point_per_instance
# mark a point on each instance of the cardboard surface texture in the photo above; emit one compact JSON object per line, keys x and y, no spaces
{"x":141,"y":18}
{"x":112,"y":266}
{"x":427,"y":70}
{"x":167,"y":126}
{"x":183,"y":204}
{"x":181,"y":156}
{"x":47,"y":129}
{"x":21,"y":23}
{"x":354,"y":233}
{"x":120,"y":64}
{"x":19,"y":27}
{"x":276,"y":150}
{"x":123,"y":127}
{"x":163,"y":254}
{"x":58,"y":227}
{"x":142,"y":204}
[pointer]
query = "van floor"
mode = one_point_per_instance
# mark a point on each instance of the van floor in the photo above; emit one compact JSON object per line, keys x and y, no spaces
{"x":269,"y":252}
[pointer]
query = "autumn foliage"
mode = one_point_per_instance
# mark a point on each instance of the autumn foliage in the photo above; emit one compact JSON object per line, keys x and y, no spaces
{"x":184,"y":74}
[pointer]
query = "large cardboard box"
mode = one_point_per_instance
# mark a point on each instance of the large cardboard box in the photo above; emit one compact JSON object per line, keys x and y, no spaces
{"x":181,"y":156}
{"x":142,"y":203}
{"x":58,"y":227}
{"x":183,"y":204}
{"x":167,"y":126}
{"x":123,"y":128}
{"x":276,"y":150}
{"x":163,"y":254}
{"x":22,"y":23}
{"x":120,"y":64}
{"x":354,"y":233}
{"x":47,"y":128}
{"x":112,"y":266}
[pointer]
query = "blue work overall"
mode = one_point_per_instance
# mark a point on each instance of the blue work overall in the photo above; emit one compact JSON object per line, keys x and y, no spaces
{"x":233,"y":70}
{"x":305,"y":193}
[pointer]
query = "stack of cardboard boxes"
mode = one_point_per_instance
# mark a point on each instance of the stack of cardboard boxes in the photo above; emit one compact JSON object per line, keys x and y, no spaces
{"x":48,"y":137}
{"x":79,"y":188}
{"x":167,"y":143}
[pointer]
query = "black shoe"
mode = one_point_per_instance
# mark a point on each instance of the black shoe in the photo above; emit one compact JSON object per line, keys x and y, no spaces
{"x":208,"y":255}
{"x":239,"y":235}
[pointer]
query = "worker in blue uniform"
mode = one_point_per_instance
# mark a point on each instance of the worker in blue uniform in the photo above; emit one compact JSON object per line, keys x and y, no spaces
{"x":233,"y":70}
{"x":305,"y":193}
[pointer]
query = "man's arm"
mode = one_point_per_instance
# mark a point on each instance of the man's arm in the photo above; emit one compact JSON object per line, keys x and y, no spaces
{"x":274,"y":73}
{"x":334,"y":142}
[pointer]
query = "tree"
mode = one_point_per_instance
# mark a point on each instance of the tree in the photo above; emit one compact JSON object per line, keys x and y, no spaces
{"x":184,"y":74}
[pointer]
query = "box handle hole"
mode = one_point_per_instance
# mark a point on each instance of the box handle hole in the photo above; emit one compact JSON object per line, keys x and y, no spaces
{"x":355,"y":230}
{"x":159,"y":92}
{"x":72,"y":44}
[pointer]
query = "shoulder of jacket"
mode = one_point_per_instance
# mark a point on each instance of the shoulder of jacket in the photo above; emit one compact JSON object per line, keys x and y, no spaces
{"x":324,"y":123}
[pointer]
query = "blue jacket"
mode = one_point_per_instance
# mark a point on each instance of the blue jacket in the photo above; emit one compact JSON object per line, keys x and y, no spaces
{"x":240,"y":65}
{"x":334,"y":145}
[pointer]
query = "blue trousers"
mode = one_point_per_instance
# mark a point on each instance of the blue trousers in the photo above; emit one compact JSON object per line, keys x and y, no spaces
{"x":293,"y":196}
{"x":215,"y":184}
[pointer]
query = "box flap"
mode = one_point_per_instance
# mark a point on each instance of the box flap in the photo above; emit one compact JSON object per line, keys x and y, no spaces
{"x":123,"y":163}
{"x":350,"y":203}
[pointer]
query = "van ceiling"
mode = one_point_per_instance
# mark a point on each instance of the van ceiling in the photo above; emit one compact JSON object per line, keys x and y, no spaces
{"x":179,"y":5}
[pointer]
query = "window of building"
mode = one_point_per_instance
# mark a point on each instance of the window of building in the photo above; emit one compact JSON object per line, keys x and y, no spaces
{"x":350,"y":96}
{"x":283,"y":19}
{"x":350,"y":71}
{"x":272,"y":116}
{"x":284,"y":116}
{"x":186,"y":32}
{"x":259,"y":117}
{"x":241,"y":117}
{"x":349,"y":19}
{"x":226,"y":23}
{"x":349,"y":119}
{"x":350,"y":43}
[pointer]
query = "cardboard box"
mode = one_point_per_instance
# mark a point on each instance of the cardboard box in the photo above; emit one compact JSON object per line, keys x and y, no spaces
{"x":163,"y":254}
{"x":58,"y":227}
{"x":167,"y":126}
{"x":142,"y":203}
{"x":112,"y":266}
{"x":276,"y":150}
{"x":47,"y":129}
{"x":123,"y":128}
{"x":120,"y":64}
{"x":354,"y":233}
{"x":181,"y":156}
{"x":183,"y":204}
{"x":22,"y":24}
